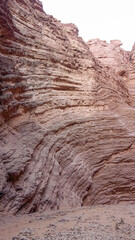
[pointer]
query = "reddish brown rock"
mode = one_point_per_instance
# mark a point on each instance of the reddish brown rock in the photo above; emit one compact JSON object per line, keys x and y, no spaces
{"x":67,"y":119}
{"x":110,"y":54}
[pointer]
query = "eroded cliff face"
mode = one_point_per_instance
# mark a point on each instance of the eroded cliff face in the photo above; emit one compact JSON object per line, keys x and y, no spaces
{"x":67,"y":135}
{"x":114,"y":57}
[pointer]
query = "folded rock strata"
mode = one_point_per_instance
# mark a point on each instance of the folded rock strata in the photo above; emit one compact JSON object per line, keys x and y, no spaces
{"x":67,"y":134}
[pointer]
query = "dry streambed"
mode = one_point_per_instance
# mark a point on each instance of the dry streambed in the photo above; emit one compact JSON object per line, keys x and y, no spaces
{"x":111,"y":222}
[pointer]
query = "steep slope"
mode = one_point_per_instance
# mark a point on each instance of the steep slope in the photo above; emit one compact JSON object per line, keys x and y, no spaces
{"x":122,"y":62}
{"x":131,"y":77}
{"x":65,"y":137}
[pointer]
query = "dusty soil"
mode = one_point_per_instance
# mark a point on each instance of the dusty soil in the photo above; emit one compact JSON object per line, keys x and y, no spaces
{"x":111,"y":222}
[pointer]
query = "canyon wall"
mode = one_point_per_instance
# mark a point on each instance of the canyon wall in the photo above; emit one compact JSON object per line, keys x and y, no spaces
{"x":67,"y":134}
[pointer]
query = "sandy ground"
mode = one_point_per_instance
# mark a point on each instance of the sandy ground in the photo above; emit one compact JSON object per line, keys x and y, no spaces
{"x":111,"y":222}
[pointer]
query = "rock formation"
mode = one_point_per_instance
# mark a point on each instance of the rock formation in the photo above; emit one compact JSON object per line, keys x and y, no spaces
{"x":67,"y":134}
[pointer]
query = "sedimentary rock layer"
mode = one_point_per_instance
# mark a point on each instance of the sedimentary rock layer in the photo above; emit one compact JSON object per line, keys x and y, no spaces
{"x":67,"y":119}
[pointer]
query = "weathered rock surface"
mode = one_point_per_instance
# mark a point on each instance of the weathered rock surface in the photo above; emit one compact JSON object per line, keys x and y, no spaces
{"x":114,"y":57}
{"x":67,"y":135}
